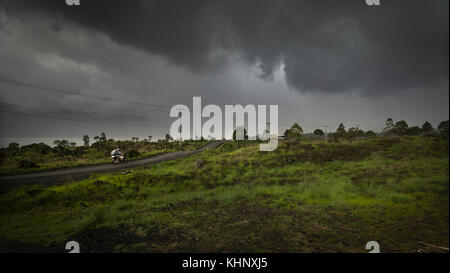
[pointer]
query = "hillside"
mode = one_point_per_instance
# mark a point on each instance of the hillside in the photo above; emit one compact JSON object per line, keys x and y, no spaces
{"x":307,"y":196}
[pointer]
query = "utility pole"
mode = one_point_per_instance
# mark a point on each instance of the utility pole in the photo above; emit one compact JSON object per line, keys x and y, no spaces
{"x":326,"y":133}
{"x":180,"y":128}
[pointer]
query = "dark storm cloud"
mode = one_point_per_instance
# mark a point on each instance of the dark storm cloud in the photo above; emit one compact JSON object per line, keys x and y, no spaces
{"x":327,"y":46}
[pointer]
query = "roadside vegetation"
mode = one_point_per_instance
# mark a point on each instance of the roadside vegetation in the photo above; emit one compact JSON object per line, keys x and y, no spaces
{"x":40,"y":157}
{"x":306,"y":196}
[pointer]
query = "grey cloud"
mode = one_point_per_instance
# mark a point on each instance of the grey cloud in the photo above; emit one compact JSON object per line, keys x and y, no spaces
{"x":167,"y":52}
{"x":326,"y":46}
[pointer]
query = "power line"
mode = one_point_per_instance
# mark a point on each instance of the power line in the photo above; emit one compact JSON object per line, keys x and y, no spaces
{"x":309,"y":126}
{"x":69,"y":92}
{"x":302,"y":125}
{"x":40,"y":115}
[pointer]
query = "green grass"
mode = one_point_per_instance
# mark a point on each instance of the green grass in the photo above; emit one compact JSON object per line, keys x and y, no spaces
{"x":307,"y":196}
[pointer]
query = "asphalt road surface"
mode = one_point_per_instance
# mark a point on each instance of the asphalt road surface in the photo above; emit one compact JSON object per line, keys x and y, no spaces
{"x":69,"y":174}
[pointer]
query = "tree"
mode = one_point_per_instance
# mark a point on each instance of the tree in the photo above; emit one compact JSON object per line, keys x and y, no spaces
{"x":341,"y":130}
{"x":370,"y":134}
{"x":401,"y":127}
{"x":239,"y":129}
{"x":296,"y":129}
{"x":443,"y":127}
{"x":318,"y":132}
{"x":64,"y":143}
{"x":414,"y":131}
{"x":135,"y":139}
{"x":13,"y":146}
{"x":86,"y":140}
{"x":61,"y":143}
{"x":427,"y":128}
{"x":354,"y":132}
{"x":389,"y":125}
{"x":103,"y":137}
{"x":97,"y":138}
{"x":263,"y":135}
{"x":150,"y":138}
{"x":168,"y":138}
{"x":73,"y":144}
{"x":294,"y":132}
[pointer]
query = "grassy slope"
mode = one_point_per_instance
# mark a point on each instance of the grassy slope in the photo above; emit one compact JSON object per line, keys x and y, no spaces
{"x":304,"y":197}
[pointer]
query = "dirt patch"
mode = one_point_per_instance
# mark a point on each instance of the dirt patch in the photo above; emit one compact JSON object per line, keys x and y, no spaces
{"x":106,"y":239}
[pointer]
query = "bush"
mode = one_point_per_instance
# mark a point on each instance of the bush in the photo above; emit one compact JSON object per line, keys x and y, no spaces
{"x":13,"y":146}
{"x":26,"y":164}
{"x":370,"y":134}
{"x":133,"y":153}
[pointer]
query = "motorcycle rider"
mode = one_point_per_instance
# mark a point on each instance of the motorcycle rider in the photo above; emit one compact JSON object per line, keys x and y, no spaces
{"x":115,"y":152}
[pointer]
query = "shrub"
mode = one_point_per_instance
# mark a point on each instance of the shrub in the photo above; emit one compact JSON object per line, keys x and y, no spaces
{"x":26,"y":164}
{"x":133,"y":153}
{"x":443,"y":127}
{"x":370,"y":134}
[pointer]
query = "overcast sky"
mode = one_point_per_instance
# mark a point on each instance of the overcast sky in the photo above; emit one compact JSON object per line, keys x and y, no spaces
{"x":322,"y":62}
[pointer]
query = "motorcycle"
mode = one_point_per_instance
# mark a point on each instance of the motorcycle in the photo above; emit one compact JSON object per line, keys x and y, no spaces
{"x":119,"y":159}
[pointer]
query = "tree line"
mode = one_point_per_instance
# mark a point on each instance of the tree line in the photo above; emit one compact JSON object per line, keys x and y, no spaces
{"x":391,"y":128}
{"x":100,"y":148}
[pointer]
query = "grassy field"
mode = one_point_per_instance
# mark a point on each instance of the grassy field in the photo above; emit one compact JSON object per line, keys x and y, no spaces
{"x":307,"y":196}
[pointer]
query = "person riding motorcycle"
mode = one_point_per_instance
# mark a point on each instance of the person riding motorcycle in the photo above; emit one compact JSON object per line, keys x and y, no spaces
{"x":116,"y":152}
{"x":117,"y":155}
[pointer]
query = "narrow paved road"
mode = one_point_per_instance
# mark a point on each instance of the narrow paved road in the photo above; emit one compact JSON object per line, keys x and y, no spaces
{"x":69,"y":174}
